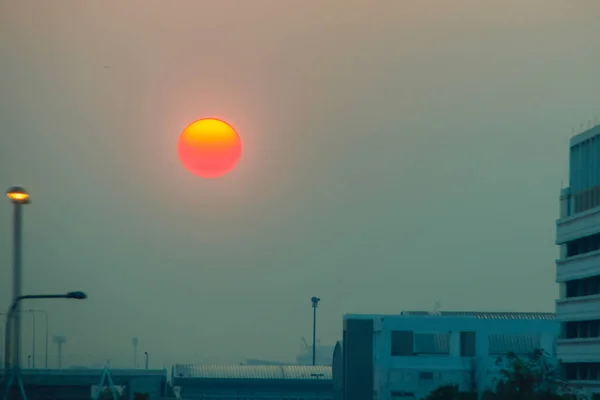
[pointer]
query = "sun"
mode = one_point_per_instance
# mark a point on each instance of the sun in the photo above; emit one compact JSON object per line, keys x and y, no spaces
{"x":209,"y":148}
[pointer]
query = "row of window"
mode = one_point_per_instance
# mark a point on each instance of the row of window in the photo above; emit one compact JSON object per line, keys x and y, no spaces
{"x":582,"y":371}
{"x":583,"y":245}
{"x":587,"y":199}
{"x":581,"y":329}
{"x":583,"y":287}
{"x":408,"y":343}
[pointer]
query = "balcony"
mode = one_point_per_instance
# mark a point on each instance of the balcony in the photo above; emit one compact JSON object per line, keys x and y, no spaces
{"x":578,"y":308}
{"x":578,"y":267}
{"x":579,"y":225}
{"x":578,"y":350}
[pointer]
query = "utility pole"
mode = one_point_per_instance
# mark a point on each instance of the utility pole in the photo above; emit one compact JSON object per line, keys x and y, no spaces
{"x":315,"y":303}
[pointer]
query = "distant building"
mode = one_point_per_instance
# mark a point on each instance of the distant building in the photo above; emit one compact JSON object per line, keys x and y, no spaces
{"x":578,"y":265}
{"x":323,"y":355}
{"x":406,"y":356}
{"x":253,"y":382}
{"x":254,"y":361}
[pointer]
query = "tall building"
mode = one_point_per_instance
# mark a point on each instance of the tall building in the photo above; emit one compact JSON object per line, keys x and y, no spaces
{"x":406,"y":356}
{"x":578,"y":265}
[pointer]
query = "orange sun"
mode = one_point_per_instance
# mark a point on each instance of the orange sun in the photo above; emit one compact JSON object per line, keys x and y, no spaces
{"x":209,"y":148}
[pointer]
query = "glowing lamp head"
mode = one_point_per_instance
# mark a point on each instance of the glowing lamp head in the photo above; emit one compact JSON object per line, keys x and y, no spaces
{"x":209,"y":148}
{"x":18,"y":195}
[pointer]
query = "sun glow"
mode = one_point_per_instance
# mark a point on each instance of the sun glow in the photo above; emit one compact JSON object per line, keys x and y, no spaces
{"x":209,"y":148}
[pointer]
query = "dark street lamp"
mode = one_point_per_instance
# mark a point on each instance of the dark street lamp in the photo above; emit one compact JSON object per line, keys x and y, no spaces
{"x":46,"y":328}
{"x":19,"y":197}
{"x":7,"y":338}
{"x":315,"y":303}
{"x":146,"y":354}
{"x":15,"y":373}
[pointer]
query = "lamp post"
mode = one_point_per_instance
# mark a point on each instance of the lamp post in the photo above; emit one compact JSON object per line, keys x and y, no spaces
{"x":15,"y":372}
{"x":32,"y":355}
{"x":146,"y":354}
{"x":46,"y":329}
{"x":19,"y":197}
{"x":315,"y":303}
{"x":12,"y":310}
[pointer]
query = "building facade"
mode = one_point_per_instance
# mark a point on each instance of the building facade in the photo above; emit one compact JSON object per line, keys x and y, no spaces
{"x":253,"y":382}
{"x":578,"y":265}
{"x":406,"y":356}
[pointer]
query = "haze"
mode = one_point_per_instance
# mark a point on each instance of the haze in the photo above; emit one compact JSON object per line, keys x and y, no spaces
{"x":396,"y":153}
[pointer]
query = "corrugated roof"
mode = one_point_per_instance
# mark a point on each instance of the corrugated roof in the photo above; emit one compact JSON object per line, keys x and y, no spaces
{"x":485,"y":315}
{"x":218,"y":371}
{"x":501,"y":344}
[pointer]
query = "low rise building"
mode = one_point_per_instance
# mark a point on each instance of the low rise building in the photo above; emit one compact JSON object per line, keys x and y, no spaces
{"x":253,"y":382}
{"x":391,"y":357}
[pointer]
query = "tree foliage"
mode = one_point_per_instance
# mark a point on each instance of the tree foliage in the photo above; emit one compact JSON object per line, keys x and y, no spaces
{"x":533,"y":377}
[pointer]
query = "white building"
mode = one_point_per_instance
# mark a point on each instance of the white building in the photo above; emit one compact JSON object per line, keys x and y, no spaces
{"x":385,"y":357}
{"x":578,"y":266}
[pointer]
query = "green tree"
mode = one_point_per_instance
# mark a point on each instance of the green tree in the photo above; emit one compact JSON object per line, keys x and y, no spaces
{"x":531,"y":377}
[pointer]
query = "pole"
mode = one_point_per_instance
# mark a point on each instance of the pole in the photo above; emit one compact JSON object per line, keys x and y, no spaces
{"x":59,"y":355}
{"x":314,"y":349}
{"x":2,"y":341}
{"x":17,"y":283}
{"x":146,"y":354}
{"x":33,"y":341}
{"x":7,"y":351}
{"x":46,"y":346}
{"x":46,"y":329}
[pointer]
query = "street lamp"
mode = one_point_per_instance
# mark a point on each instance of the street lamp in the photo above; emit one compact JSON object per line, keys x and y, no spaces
{"x":19,"y":197}
{"x":15,"y":373}
{"x":46,"y":328}
{"x":11,"y":360}
{"x":146,"y":354}
{"x":315,"y":303}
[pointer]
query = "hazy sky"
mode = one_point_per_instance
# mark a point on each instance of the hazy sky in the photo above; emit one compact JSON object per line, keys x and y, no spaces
{"x":395,"y":153}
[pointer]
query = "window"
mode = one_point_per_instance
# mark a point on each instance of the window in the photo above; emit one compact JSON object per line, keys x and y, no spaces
{"x":581,"y":329}
{"x":432,"y":343}
{"x":583,"y":245}
{"x":583,"y":287}
{"x":467,"y":344}
{"x":582,"y":371}
{"x":425,"y":375}
{"x":402,"y":343}
{"x":521,"y":344}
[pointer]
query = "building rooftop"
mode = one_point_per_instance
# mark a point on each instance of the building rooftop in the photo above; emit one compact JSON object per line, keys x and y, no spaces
{"x":585,"y":135}
{"x":283,"y":372}
{"x":484,"y":315}
{"x":473,"y":314}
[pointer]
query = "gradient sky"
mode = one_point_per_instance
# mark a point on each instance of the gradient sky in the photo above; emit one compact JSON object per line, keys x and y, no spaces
{"x":395,"y":153}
